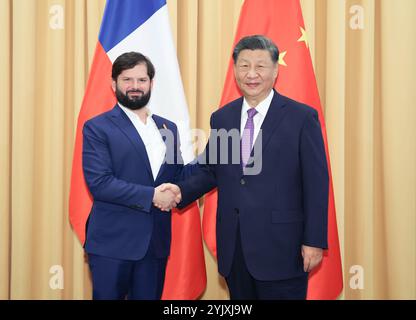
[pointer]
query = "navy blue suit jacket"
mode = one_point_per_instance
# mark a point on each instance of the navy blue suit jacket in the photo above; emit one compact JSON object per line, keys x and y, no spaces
{"x":281,"y":208}
{"x":123,"y":222}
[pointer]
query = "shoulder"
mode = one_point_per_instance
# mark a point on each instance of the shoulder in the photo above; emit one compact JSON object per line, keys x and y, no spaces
{"x":228,"y":108}
{"x":300,"y":113}
{"x":101,"y":118}
{"x":161,"y":120}
{"x":296,"y":107}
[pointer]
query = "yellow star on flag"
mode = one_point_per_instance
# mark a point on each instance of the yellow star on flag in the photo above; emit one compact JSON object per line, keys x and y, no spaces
{"x":281,"y":58}
{"x":304,"y":37}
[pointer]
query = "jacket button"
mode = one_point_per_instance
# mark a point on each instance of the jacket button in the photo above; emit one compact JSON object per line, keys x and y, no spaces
{"x":242,"y":181}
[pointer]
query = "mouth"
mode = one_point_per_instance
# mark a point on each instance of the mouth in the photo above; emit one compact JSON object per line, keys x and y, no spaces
{"x":253,"y":85}
{"x":135,"y":93}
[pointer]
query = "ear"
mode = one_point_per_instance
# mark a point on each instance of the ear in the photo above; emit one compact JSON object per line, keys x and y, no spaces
{"x":235,"y":69}
{"x":113,"y":85}
{"x":151,"y":84}
{"x":276,"y":70}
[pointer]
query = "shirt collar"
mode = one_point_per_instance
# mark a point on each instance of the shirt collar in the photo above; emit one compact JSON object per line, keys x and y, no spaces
{"x":130,"y":113}
{"x":262,"y":107}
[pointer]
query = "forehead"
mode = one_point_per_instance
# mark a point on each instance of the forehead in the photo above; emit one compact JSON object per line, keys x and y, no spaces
{"x":139,"y":70}
{"x":257,"y":55}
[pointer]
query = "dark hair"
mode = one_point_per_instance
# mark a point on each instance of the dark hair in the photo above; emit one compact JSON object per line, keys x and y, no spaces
{"x":129,"y":60}
{"x":256,"y":42}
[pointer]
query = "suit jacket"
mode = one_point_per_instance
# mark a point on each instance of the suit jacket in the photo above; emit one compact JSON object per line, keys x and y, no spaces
{"x":279,"y":209}
{"x":123,"y":223}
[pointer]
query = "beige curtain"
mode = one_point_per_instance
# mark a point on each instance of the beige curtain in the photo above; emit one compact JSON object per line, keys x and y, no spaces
{"x":363,"y":52}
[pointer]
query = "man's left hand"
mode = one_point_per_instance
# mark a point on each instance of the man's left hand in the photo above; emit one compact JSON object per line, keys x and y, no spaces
{"x":311,"y":257}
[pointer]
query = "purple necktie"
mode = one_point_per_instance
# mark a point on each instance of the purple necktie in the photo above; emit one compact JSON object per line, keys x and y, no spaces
{"x":247,"y":138}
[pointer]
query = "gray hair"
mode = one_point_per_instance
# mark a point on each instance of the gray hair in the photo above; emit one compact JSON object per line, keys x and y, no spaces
{"x":256,"y":42}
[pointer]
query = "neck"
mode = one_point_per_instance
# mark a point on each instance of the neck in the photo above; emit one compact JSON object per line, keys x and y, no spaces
{"x":254,"y":101}
{"x":142,"y":113}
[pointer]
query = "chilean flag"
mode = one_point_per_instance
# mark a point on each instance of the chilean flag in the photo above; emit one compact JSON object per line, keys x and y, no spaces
{"x":143,"y":26}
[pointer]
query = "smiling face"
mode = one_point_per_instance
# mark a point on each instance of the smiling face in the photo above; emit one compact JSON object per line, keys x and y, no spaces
{"x":133,"y":87}
{"x":256,"y":74}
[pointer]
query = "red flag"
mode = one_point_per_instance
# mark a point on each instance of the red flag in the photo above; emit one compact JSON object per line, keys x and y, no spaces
{"x":282,"y":21}
{"x":143,"y":25}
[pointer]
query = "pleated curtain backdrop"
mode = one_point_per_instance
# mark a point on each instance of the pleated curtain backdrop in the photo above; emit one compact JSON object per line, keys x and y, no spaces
{"x":363,"y":53}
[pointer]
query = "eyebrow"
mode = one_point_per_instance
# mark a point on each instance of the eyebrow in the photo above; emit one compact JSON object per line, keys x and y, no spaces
{"x":140,"y":78}
{"x":247,"y":61}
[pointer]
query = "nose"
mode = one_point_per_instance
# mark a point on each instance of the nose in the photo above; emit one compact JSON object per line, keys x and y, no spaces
{"x":252,"y":73}
{"x":135,"y":84}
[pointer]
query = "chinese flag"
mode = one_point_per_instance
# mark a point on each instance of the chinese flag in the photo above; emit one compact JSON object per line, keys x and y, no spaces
{"x":282,"y":21}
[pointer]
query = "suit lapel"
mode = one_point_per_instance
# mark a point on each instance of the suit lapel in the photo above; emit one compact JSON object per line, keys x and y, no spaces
{"x":235,"y":123}
{"x":235,"y":119}
{"x":123,"y":122}
{"x":272,"y":120}
{"x":162,"y":125}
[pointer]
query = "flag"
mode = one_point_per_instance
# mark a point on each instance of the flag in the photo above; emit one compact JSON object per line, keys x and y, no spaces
{"x":143,"y":26}
{"x":282,"y":21}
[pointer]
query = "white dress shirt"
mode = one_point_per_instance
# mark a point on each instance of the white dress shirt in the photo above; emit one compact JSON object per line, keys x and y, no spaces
{"x":258,"y":119}
{"x":152,"y":139}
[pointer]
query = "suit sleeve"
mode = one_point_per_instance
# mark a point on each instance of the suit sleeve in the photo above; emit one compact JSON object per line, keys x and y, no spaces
{"x":100,"y":178}
{"x":183,"y":172}
{"x":198,"y":177}
{"x":315,"y":182}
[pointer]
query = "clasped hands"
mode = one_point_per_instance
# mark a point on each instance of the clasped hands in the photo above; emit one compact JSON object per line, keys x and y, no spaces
{"x":167,"y":196}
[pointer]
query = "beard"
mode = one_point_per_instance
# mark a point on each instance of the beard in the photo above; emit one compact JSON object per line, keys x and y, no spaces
{"x":134,"y":103}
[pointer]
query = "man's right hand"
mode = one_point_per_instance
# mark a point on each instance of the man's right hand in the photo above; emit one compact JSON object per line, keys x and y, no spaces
{"x":166,"y":196}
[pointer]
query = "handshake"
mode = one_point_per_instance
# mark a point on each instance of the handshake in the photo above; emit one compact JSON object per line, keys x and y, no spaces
{"x":167,"y":196}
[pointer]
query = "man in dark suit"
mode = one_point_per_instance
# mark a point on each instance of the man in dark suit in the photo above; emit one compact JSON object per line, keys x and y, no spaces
{"x":127,"y":237}
{"x":272,"y":206}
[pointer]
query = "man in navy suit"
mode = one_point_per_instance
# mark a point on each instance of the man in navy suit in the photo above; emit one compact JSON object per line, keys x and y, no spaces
{"x":272,"y":205}
{"x":128,"y":237}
